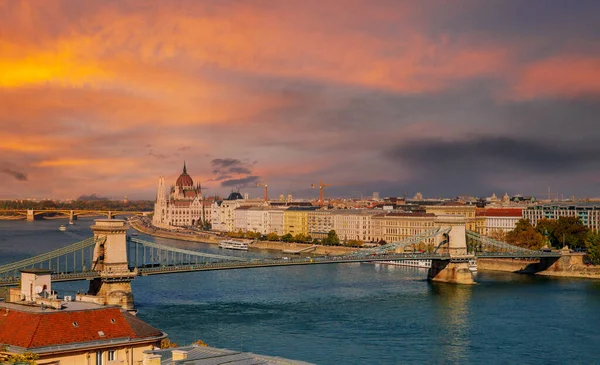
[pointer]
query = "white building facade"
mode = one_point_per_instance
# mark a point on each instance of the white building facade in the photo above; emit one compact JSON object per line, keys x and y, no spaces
{"x":182,"y":207}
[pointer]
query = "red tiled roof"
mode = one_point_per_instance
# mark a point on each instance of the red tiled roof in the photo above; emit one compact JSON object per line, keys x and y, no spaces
{"x":30,"y":330}
{"x":182,"y":203}
{"x":500,"y":212}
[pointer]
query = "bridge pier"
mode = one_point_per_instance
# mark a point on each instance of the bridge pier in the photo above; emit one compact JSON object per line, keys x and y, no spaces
{"x":31,"y":215}
{"x":72,"y":216}
{"x":456,"y":270}
{"x":448,"y":271}
{"x":109,"y":215}
{"x":110,"y":259}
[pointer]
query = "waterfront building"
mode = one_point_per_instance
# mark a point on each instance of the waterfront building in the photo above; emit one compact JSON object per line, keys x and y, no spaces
{"x":455,"y":208}
{"x":263,"y":219}
{"x":295,"y":220}
{"x":588,"y":212}
{"x":223,"y":212}
{"x":497,"y":219}
{"x":182,"y":206}
{"x":354,"y":224}
{"x":62,"y":331}
{"x":320,"y":222}
{"x":396,"y":226}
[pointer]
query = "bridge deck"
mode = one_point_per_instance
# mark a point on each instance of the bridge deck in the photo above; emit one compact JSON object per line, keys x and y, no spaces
{"x":231,"y":265}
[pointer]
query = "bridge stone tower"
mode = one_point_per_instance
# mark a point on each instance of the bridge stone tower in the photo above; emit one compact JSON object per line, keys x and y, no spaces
{"x":110,"y":259}
{"x":456,"y":269}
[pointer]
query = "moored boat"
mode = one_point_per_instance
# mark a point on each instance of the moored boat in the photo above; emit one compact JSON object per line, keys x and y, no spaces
{"x":232,"y":244}
{"x":62,"y":228}
{"x":473,"y":265}
{"x":422,"y":264}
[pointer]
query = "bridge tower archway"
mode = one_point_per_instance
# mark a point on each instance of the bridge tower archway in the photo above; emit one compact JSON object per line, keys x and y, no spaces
{"x":452,"y":241}
{"x":110,"y":259}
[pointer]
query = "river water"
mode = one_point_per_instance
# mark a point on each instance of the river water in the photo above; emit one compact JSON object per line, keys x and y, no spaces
{"x":353,"y":313}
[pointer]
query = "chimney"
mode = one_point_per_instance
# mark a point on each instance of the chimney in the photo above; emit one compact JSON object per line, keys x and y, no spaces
{"x":152,"y":359}
{"x":35,"y":283}
{"x":179,"y":355}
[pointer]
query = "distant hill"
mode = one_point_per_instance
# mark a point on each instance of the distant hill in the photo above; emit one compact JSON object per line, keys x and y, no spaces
{"x":92,"y":198}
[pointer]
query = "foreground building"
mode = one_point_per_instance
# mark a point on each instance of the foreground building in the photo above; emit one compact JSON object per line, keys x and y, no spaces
{"x":66,"y":332}
{"x":183,"y":206}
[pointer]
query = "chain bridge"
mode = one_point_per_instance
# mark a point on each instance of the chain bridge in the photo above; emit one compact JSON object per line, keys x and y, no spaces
{"x":110,"y":260}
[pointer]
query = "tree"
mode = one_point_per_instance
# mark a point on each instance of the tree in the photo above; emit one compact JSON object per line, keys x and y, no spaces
{"x":300,"y":238}
{"x":524,"y":235}
{"x":24,"y":358}
{"x":201,"y":343}
{"x":332,"y":239}
{"x":287,"y":237}
{"x":571,"y":231}
{"x":354,"y":243}
{"x":165,"y":343}
{"x":272,"y":237}
{"x":547,"y":228}
{"x":593,"y":247}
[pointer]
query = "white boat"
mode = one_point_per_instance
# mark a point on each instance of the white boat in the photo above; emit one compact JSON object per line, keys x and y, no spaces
{"x":422,"y":264}
{"x":71,"y":222}
{"x":234,"y":245}
{"x":473,"y":265}
{"x":62,"y":228}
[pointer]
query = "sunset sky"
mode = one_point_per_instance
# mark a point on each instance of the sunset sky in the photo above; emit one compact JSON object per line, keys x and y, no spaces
{"x":443,"y":97}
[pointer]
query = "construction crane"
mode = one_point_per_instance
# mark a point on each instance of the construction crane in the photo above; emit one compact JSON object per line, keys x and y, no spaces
{"x":266,"y":190}
{"x":320,"y":186}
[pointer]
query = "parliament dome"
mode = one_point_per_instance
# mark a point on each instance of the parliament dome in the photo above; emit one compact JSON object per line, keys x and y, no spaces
{"x":184,"y":179}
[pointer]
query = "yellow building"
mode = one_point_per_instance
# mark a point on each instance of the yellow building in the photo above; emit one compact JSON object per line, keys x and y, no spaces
{"x":320,"y":222}
{"x":456,"y":208}
{"x":295,"y":220}
{"x":394,"y":227}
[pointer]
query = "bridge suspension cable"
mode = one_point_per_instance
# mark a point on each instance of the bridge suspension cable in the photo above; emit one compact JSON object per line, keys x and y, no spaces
{"x":48,"y":257}
{"x":403,"y":243}
{"x":502,"y":246}
{"x":180,"y":251}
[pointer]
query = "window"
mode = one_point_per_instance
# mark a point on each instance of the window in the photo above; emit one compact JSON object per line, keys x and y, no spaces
{"x":111,"y":355}
{"x":99,"y":358}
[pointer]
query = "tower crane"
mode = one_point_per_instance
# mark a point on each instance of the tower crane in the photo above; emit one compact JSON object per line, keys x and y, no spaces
{"x":266,"y":190}
{"x":320,"y":186}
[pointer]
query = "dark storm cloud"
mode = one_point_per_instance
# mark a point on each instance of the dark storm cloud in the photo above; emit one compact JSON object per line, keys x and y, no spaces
{"x":243,"y":182}
{"x":225,"y":162}
{"x":240,"y":170}
{"x":486,"y":164}
{"x":16,"y":174}
{"x":494,"y":154}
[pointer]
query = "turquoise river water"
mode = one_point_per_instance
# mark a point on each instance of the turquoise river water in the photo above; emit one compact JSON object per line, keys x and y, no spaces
{"x":353,"y":313}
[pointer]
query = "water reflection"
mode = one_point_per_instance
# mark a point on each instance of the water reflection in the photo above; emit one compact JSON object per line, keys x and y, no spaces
{"x":452,"y":303}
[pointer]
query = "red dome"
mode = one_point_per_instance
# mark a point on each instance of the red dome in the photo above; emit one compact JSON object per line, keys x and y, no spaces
{"x":184,"y":179}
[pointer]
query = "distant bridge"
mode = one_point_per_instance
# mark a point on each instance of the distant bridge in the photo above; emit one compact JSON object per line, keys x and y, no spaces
{"x":72,"y":214}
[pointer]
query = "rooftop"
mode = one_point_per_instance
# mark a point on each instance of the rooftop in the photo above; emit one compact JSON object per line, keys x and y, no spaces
{"x":41,"y":330}
{"x":202,"y":355}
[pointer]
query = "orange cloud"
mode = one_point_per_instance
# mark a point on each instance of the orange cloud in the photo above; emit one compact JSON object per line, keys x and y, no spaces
{"x":560,"y":76}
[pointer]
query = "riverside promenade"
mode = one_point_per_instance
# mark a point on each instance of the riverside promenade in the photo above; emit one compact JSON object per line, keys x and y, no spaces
{"x":259,"y":245}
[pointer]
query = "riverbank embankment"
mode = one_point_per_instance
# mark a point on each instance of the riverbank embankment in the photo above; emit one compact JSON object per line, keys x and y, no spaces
{"x":572,"y":269}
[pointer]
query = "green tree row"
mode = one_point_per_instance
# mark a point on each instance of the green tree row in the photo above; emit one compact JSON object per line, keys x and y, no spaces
{"x":552,"y":233}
